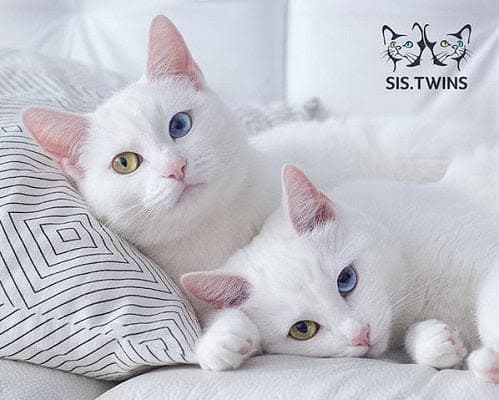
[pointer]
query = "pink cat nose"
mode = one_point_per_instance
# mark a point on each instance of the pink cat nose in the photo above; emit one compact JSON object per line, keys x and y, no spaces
{"x":362,"y":338}
{"x":176,"y":170}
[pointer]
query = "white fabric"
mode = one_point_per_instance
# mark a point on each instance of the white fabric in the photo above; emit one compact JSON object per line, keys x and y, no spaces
{"x":23,"y":381}
{"x":291,"y":377}
{"x":73,"y":295}
{"x":238,"y":44}
{"x":334,"y":51}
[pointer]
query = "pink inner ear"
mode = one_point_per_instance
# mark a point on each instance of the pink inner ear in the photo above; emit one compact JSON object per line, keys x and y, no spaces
{"x":307,"y":206}
{"x":168,"y":54}
{"x":217,"y":289}
{"x":59,"y":133}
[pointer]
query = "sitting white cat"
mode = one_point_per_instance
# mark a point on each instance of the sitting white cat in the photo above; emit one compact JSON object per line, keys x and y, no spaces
{"x":168,"y":166}
{"x":385,"y":263}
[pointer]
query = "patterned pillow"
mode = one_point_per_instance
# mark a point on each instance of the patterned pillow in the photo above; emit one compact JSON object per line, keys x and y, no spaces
{"x":73,"y":295}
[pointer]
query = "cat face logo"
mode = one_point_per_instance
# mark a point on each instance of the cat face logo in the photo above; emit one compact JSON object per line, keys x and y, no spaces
{"x":450,"y":46}
{"x":408,"y":48}
{"x":404,"y":47}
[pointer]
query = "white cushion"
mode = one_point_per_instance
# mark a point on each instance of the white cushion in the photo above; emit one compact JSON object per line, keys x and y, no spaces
{"x":291,"y":377}
{"x":23,"y":381}
{"x":238,"y":44}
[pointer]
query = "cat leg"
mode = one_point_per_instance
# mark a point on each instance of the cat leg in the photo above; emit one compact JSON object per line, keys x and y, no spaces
{"x":484,"y":362}
{"x":228,"y":341}
{"x":434,"y":343}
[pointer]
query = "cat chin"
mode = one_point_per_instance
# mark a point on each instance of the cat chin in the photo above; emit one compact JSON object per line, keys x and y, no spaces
{"x":188,"y":192}
{"x":355,"y":351}
{"x":377,"y":349}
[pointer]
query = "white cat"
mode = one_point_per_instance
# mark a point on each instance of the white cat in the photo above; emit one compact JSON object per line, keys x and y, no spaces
{"x":382,"y":261}
{"x":167,"y":165}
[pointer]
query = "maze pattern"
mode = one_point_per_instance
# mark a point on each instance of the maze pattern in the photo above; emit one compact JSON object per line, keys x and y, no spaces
{"x":73,"y":295}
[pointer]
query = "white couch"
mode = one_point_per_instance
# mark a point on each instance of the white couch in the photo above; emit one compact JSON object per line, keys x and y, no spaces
{"x":259,"y":51}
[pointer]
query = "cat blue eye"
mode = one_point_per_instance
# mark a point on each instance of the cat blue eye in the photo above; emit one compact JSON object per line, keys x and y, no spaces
{"x":408,"y":44}
{"x":460,"y":43}
{"x":347,"y":280}
{"x":180,"y":125}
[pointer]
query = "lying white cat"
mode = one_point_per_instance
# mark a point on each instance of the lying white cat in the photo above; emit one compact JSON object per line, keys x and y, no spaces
{"x":167,"y":165}
{"x":382,"y":260}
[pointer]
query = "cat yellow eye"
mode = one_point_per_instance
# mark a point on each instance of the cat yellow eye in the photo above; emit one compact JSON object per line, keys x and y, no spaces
{"x":444,"y":43}
{"x":126,"y":163}
{"x":393,"y":44}
{"x":304,"y":330}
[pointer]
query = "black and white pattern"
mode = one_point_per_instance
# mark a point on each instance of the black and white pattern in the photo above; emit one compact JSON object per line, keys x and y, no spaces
{"x":73,"y":295}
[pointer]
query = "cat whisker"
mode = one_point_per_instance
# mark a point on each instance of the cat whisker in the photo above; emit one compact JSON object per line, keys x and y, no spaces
{"x":443,"y":58}
{"x":408,"y":58}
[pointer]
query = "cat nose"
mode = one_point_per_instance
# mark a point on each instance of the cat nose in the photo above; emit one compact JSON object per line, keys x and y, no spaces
{"x":455,"y":46}
{"x":362,"y":337}
{"x":176,"y":170}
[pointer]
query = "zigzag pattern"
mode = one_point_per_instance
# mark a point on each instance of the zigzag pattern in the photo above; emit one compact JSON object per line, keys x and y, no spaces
{"x":73,"y":295}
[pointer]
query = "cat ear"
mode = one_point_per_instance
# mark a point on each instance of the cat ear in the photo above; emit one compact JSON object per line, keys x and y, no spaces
{"x":219,"y":289}
{"x":464,"y":33}
{"x":307,"y":207}
{"x":394,"y":35}
{"x":60,"y":134}
{"x":168,"y":54}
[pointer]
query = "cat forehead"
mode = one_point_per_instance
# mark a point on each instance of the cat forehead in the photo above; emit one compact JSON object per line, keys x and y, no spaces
{"x":141,"y":113}
{"x":298,"y":261}
{"x":145,"y":102}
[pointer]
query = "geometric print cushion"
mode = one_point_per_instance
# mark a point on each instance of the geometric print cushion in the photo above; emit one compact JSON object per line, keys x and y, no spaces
{"x":73,"y":295}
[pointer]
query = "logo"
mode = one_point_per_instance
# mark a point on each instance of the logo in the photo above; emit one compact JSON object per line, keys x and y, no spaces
{"x":421,"y":45}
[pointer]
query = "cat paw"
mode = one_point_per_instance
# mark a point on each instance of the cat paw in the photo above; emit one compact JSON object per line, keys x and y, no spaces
{"x":228,"y":342}
{"x":484,"y":363}
{"x":433,"y":343}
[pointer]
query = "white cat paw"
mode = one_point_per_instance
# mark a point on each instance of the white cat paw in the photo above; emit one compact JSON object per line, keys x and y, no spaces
{"x":485,"y":364}
{"x":433,"y":343}
{"x":227,"y":343}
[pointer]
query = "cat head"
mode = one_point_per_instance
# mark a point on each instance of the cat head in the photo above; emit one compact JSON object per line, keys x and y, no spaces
{"x":163,"y":149}
{"x":450,"y":46}
{"x":320,"y":280}
{"x":405,"y":48}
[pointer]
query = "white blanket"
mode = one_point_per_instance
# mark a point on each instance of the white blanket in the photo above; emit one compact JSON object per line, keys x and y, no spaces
{"x":292,"y":377}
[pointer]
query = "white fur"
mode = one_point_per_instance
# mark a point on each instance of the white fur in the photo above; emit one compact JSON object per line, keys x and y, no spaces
{"x":293,"y":278}
{"x":234,"y":178}
{"x":427,"y":264}
{"x":237,"y":172}
{"x":231,"y":339}
{"x":234,"y":174}
{"x":434,"y":343}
